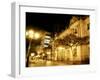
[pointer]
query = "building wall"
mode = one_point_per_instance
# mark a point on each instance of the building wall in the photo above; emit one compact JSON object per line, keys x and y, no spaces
{"x":81,"y":30}
{"x":84,"y":32}
{"x":78,"y":27}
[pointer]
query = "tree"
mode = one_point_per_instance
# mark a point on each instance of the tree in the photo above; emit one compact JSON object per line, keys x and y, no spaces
{"x":72,"y":40}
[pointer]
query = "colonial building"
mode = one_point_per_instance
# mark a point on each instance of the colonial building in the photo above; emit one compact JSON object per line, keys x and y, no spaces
{"x":75,"y":52}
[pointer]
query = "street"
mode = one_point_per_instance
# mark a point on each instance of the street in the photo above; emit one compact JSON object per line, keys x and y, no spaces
{"x":40,"y":62}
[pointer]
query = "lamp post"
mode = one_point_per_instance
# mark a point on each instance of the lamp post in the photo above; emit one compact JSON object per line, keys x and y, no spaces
{"x":31,"y":35}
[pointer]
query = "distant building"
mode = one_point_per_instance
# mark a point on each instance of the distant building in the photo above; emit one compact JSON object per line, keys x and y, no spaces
{"x":46,"y":45}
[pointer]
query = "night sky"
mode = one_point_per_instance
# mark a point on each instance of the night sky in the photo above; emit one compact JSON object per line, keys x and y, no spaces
{"x":47,"y":21}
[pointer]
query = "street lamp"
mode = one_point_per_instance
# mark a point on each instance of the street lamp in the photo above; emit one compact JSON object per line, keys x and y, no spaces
{"x":31,"y":35}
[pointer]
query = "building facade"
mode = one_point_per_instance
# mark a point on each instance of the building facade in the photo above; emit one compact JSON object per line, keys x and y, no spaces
{"x":79,"y":26}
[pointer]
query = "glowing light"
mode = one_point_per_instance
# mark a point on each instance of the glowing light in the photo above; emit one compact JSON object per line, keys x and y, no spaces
{"x":61,"y":48}
{"x":30,"y":34}
{"x":43,"y":54}
{"x":32,"y":54}
{"x":36,"y":35}
{"x":71,"y":44}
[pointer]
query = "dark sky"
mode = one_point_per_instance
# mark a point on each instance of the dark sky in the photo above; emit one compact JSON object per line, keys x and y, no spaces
{"x":48,"y":21}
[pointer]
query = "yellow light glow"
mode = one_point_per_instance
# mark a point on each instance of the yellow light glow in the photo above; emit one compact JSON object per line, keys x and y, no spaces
{"x":43,"y":54}
{"x":31,"y":34}
{"x":61,"y":48}
{"x":32,"y":54}
{"x":36,"y":35}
